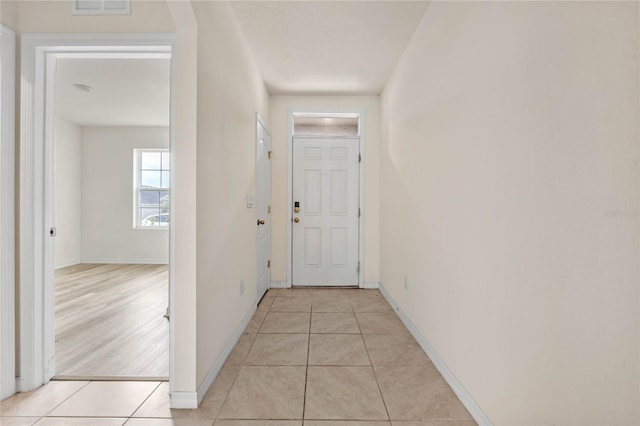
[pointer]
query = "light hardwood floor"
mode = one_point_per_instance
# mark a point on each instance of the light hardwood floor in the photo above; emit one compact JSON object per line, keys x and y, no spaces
{"x":110,"y":323}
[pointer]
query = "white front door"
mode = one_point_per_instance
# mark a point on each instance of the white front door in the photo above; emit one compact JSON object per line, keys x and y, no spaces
{"x":262,"y":201}
{"x":325,"y":225}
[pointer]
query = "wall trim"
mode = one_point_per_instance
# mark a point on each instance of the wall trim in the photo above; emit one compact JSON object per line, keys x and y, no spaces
{"x":279,"y":284}
{"x":371,"y":284}
{"x":7,"y":213}
{"x":125,"y":261}
{"x":193,"y":399}
{"x":67,"y":264}
{"x":39,"y":51}
{"x":184,"y":400}
{"x":457,"y":387}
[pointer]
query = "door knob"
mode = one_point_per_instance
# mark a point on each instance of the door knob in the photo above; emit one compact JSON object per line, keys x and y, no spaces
{"x":296,"y":220}
{"x":260,"y":222}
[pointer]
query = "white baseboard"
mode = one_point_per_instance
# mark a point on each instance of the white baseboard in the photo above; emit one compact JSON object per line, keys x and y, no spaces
{"x":67,"y":264}
{"x":279,"y":284}
{"x":371,"y":284}
{"x":126,"y":261}
{"x":464,"y":396}
{"x":184,"y":400}
{"x":213,"y":372}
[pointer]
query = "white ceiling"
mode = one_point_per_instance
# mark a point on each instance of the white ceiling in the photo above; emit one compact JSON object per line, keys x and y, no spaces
{"x":126,"y":92}
{"x":328,"y":47}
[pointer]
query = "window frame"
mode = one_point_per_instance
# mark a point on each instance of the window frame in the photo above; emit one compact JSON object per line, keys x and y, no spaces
{"x":137,"y":169}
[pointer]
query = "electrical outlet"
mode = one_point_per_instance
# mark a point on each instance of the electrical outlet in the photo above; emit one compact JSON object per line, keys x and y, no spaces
{"x":241,"y":286}
{"x":406,"y":283}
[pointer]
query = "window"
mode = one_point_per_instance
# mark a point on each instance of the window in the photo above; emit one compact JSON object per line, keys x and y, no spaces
{"x":326,"y":124}
{"x":151,"y":194}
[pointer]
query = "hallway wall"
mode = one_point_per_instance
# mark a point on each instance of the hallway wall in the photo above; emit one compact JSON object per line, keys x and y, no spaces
{"x":230,"y":92}
{"x":9,"y":14}
{"x":279,"y":109}
{"x":509,"y":180}
{"x":55,"y":17}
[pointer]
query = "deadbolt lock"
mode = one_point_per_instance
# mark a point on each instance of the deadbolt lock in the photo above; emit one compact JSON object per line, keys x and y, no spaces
{"x":296,"y":209}
{"x":260,"y":222}
{"x":296,"y":220}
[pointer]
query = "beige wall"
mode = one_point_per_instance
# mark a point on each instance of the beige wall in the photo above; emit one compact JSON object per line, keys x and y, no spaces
{"x":230,"y":92}
{"x":68,"y":194}
{"x":55,"y":16}
{"x":94,"y":198}
{"x":279,"y":107}
{"x":9,"y":14}
{"x":510,"y":130}
{"x":107,"y":196}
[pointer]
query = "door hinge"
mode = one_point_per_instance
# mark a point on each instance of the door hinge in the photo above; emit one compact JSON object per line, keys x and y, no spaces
{"x":268,"y":264}
{"x":358,"y":268}
{"x":269,"y":154}
{"x":359,"y":158}
{"x":52,"y":232}
{"x":359,"y":212}
{"x":268,"y":209}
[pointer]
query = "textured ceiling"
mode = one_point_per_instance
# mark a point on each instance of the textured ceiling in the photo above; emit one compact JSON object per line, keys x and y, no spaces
{"x":126,"y":92}
{"x":328,"y":47}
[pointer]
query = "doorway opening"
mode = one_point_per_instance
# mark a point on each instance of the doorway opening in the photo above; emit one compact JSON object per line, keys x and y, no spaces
{"x":325,"y":198}
{"x":111,"y":216}
{"x":107,"y":181}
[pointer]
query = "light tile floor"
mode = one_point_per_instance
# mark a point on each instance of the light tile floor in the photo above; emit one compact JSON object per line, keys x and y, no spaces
{"x":328,"y":357}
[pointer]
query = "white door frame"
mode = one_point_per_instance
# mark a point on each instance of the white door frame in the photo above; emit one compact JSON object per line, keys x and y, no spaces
{"x":7,"y":212}
{"x":260,"y":122}
{"x":361,"y":121}
{"x":39,"y":51}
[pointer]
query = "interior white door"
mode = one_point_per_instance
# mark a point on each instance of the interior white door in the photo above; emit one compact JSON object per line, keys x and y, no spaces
{"x":325,"y":227}
{"x":262,"y":202}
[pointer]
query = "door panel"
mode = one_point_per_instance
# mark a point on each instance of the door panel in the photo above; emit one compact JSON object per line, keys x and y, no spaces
{"x":312,"y":247}
{"x":326,"y":186}
{"x":262,"y":201}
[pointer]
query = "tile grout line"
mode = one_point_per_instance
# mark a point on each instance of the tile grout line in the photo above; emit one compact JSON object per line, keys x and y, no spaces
{"x":145,"y":400}
{"x":224,"y":401}
{"x":306,"y":371}
{"x":384,"y":403}
{"x":67,"y":398}
{"x":226,"y":397}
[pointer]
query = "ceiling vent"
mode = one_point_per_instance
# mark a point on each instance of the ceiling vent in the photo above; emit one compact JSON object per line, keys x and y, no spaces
{"x":101,"y":7}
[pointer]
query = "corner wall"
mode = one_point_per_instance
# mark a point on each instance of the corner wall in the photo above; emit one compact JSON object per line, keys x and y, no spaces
{"x":509,"y":181}
{"x":230,"y":92}
{"x":279,"y":106}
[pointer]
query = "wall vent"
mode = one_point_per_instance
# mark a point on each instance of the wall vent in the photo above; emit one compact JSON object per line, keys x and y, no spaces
{"x":101,"y":7}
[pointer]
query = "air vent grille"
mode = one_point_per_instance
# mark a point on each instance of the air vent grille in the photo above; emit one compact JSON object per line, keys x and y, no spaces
{"x":101,"y":7}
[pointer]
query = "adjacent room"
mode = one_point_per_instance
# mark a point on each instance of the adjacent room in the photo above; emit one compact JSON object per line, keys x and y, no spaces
{"x":112,"y":168}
